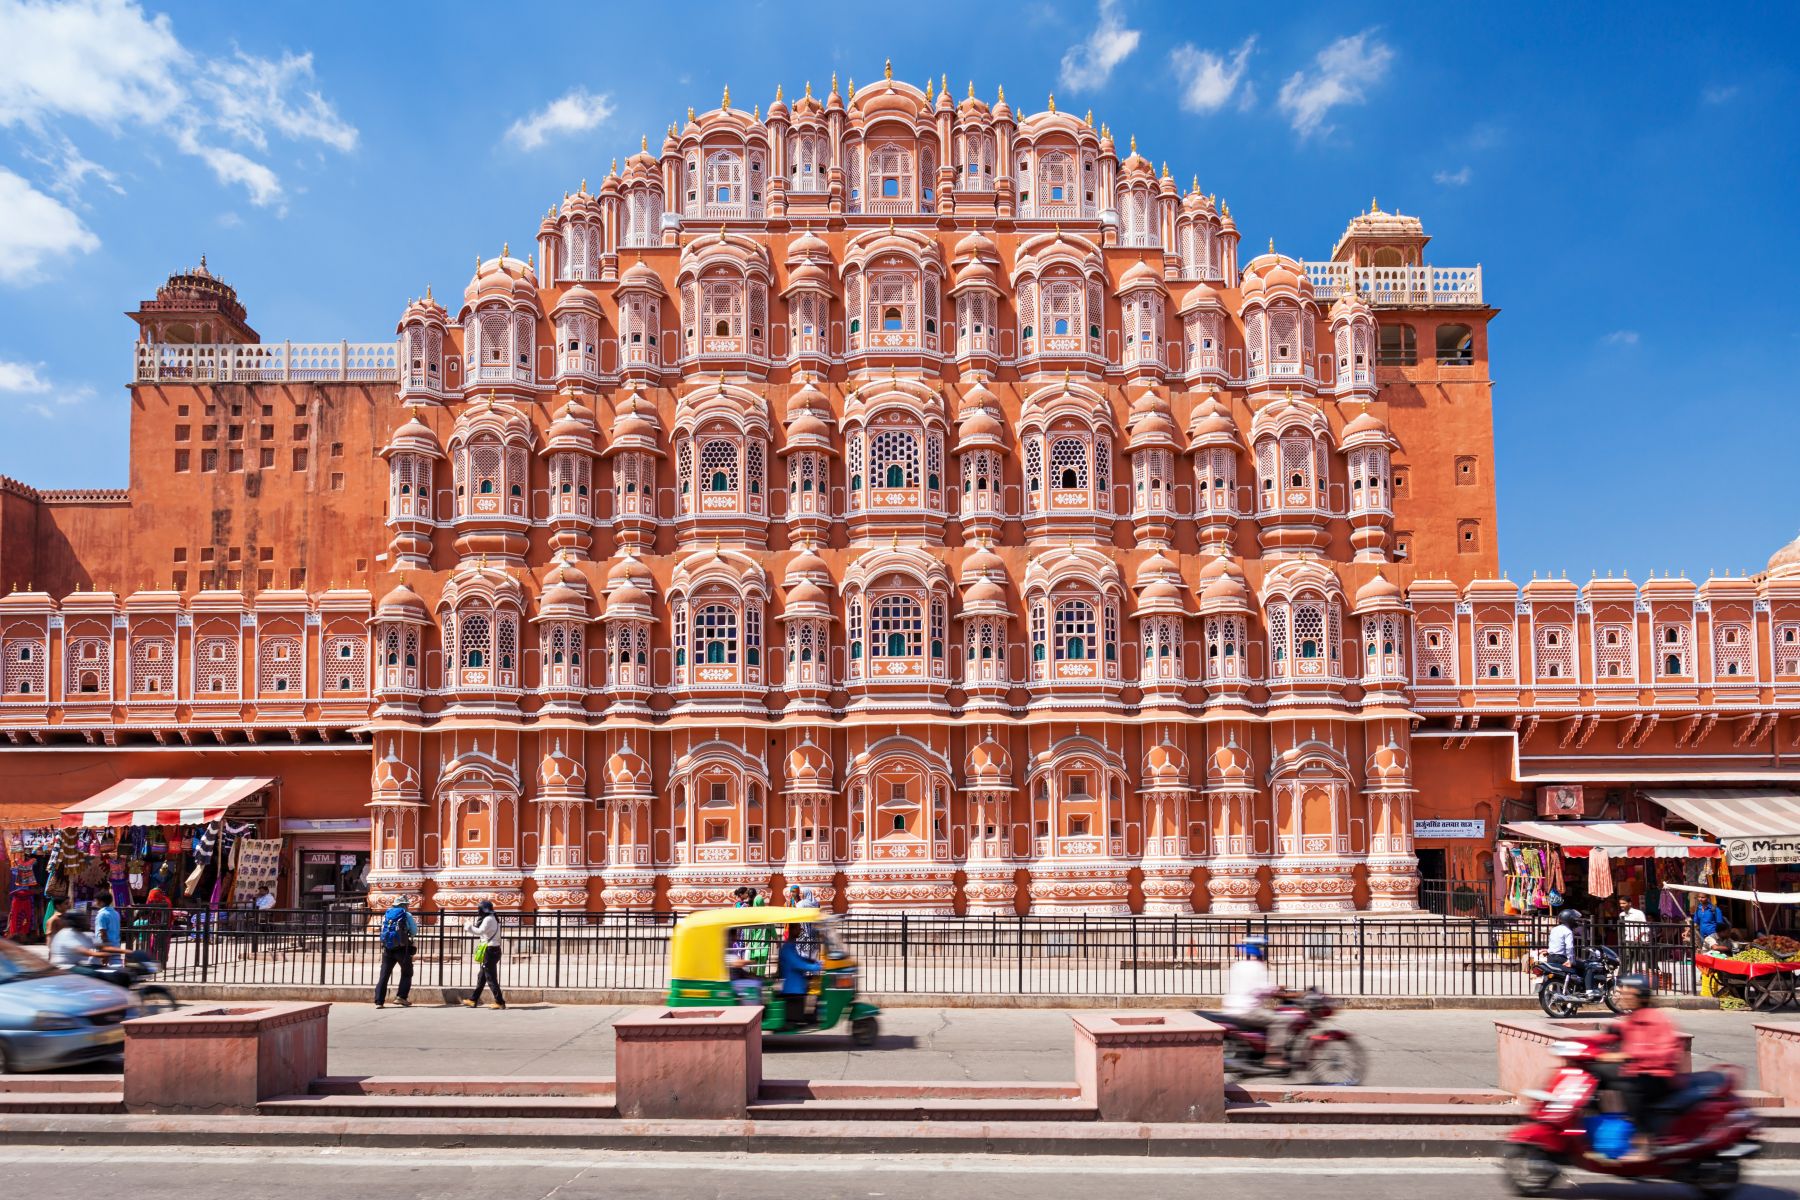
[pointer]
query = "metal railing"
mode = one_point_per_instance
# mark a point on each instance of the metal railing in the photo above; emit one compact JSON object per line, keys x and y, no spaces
{"x":1442,"y":956}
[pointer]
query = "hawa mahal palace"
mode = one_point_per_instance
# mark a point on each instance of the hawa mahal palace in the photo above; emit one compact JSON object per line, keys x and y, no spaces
{"x":922,"y":501}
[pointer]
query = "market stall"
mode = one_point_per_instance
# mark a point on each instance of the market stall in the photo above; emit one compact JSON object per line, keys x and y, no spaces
{"x":1760,"y":974}
{"x":1758,"y":829}
{"x":183,"y":838}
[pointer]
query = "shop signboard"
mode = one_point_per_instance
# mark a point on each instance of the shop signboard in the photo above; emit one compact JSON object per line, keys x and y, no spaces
{"x":1762,"y":851}
{"x":1449,"y":829}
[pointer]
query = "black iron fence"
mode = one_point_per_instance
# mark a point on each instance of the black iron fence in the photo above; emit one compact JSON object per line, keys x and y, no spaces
{"x":1433,"y":956}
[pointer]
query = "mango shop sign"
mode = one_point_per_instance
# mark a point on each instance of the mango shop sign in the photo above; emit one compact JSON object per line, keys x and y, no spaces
{"x":1762,"y":851}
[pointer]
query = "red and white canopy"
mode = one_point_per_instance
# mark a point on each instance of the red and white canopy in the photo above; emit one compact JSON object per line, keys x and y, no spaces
{"x":1629,"y":839}
{"x":163,"y":801}
{"x":1734,"y":812}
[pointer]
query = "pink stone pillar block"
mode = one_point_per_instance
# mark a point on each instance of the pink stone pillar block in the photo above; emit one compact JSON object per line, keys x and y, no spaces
{"x":1140,"y":1066}
{"x":1524,"y":1050}
{"x":688,"y":1062}
{"x":1778,"y":1059}
{"x":223,"y":1059}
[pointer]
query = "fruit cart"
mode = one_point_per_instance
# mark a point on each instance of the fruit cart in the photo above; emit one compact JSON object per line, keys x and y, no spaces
{"x":1760,"y":975}
{"x":1762,"y":984}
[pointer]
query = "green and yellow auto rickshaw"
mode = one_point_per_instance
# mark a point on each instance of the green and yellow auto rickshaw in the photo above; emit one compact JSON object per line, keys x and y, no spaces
{"x":700,"y":972}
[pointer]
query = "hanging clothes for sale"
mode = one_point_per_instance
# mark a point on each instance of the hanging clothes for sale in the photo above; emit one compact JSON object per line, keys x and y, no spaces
{"x":1600,"y":879}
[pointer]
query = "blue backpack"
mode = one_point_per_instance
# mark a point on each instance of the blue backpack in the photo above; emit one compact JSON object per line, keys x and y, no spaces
{"x":396,"y":931}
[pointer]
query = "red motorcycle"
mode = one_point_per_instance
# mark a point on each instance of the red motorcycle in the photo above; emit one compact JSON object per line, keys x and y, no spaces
{"x":1314,"y":1053}
{"x":1705,"y":1131}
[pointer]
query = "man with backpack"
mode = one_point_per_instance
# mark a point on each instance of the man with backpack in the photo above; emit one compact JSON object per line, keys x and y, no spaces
{"x":399,"y":934}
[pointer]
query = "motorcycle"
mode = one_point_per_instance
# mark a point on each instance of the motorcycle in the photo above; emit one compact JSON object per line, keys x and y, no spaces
{"x":1705,"y":1129}
{"x":1314,"y":1053}
{"x":1564,"y":988}
{"x":149,"y":999}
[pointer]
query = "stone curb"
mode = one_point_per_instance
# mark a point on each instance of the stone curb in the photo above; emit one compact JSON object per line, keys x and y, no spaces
{"x":214,"y":992}
{"x":765,"y":1137}
{"x":792,"y":1137}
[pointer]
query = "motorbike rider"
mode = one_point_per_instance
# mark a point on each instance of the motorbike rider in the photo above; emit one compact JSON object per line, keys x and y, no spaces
{"x":1250,"y":997}
{"x":74,"y":949}
{"x":1648,"y":1057}
{"x":1561,"y":951}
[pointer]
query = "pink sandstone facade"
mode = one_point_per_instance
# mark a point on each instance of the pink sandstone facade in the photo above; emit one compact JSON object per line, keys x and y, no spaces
{"x":913,"y":499}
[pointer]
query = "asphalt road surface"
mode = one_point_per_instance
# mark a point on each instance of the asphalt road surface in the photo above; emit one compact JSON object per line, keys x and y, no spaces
{"x":208,"y":1174}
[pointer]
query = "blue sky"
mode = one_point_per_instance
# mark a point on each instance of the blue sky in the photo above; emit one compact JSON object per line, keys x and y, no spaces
{"x":1626,"y":175}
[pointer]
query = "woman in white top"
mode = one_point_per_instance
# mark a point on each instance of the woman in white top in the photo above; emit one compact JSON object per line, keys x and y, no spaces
{"x":488,"y":939}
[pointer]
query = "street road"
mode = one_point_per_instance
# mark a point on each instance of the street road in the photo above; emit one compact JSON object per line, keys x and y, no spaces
{"x":1406,"y":1049}
{"x":208,"y":1174}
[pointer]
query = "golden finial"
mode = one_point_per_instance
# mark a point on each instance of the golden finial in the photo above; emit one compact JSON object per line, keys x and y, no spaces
{"x":612,"y":170}
{"x":891,"y":225}
{"x":1002,"y":90}
{"x":887,"y":68}
{"x":1052,"y":101}
{"x":1065,"y":379}
{"x":930,"y":90}
{"x":1089,"y":119}
{"x":971,"y":89}
{"x":1271,"y":245}
{"x":1374,"y":205}
{"x":809,"y":89}
{"x":644,"y":142}
{"x":478,"y":264}
{"x":428,"y":293}
{"x":1194,"y":184}
{"x":529,"y":256}
{"x":895,"y":544}
{"x":584,"y":182}
{"x":721,"y":231}
{"x":1165,"y":173}
{"x":756,"y":111}
{"x":1134,"y":143}
{"x":725,"y":103}
{"x":851,"y":93}
{"x":944,"y":84}
{"x":778,"y":91}
{"x":690,"y":114}
{"x":834,"y":83}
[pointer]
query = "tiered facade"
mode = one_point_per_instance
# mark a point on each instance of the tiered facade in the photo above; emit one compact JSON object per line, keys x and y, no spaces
{"x":910,"y":499}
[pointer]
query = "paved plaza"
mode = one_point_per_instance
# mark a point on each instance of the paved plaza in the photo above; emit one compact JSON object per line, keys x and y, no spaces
{"x":1444,"y":1048}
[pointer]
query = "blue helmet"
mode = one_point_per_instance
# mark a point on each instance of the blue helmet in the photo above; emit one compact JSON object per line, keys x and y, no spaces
{"x":1255,"y":946}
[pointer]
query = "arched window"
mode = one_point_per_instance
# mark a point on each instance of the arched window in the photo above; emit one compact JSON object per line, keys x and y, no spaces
{"x":472,"y":640}
{"x":896,"y":627}
{"x":716,"y":634}
{"x":1075,"y":630}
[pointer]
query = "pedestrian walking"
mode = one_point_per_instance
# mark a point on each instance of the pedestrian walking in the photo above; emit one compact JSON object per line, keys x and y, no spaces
{"x":399,"y":940}
{"x":1634,"y":938}
{"x":488,"y":949}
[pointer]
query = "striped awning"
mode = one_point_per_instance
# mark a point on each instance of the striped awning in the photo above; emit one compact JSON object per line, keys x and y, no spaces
{"x":1734,"y":812}
{"x":1630,"y":839}
{"x":163,"y":801}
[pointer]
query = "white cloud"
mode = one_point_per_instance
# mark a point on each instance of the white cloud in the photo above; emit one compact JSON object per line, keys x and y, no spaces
{"x":577,"y":111}
{"x":1718,"y":93}
{"x":247,"y":93}
{"x":37,"y":227}
{"x":230,"y":220}
{"x":19,"y":378}
{"x":69,"y":169}
{"x":109,"y":63}
{"x":1090,"y":64}
{"x":22,"y":379}
{"x":1458,"y":178}
{"x":1209,"y":80}
{"x":99,"y":60}
{"x":1343,"y":70}
{"x":1621,"y":337}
